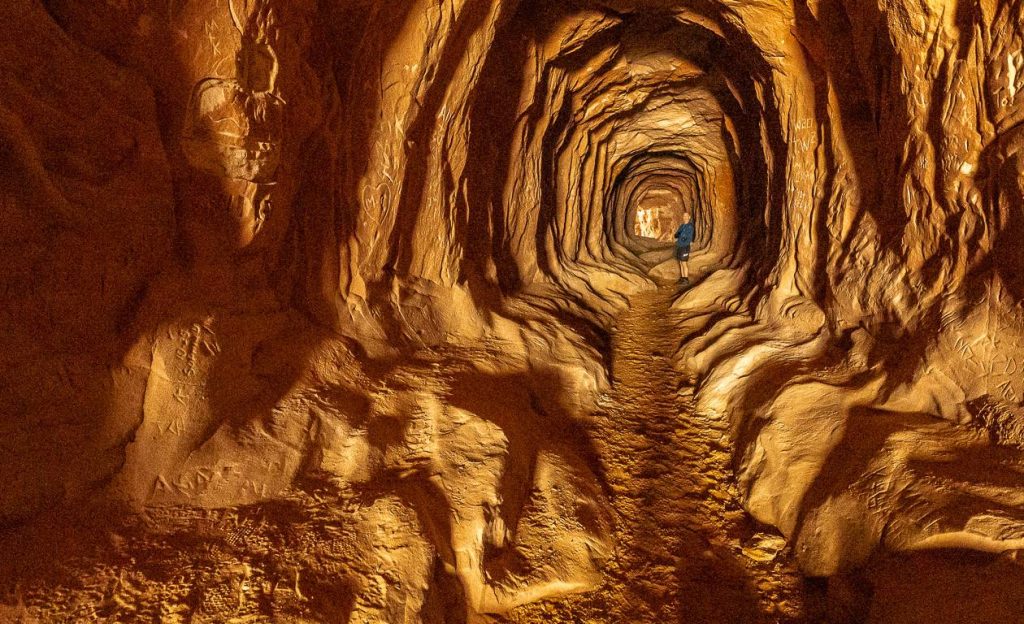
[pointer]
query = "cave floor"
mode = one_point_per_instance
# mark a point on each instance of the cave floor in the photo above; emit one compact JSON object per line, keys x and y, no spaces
{"x":686,"y":552}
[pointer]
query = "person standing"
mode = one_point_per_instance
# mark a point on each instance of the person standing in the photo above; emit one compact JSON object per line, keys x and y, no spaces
{"x":684,"y":238}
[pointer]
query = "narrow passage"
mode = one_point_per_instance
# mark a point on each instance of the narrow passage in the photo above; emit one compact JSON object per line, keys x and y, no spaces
{"x":686,"y":551}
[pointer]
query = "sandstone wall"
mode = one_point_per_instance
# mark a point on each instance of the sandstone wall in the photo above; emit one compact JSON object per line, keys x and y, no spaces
{"x":379,"y":246}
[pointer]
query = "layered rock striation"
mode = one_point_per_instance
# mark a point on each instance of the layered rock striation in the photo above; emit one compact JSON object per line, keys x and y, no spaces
{"x":347,"y":272}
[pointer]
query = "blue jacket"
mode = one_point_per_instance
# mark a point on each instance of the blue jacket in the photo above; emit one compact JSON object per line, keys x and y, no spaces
{"x":684,"y":235}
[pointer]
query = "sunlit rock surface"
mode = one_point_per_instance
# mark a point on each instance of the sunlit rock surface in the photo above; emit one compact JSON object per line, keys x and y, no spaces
{"x":367,"y":311}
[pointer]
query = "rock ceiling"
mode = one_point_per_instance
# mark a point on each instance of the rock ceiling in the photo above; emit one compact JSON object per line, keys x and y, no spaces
{"x":340,"y":311}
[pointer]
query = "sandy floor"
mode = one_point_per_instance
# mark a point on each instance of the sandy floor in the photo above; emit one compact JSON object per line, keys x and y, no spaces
{"x":686,"y":550}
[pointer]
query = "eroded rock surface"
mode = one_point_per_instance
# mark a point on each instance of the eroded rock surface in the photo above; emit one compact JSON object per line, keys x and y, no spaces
{"x":365,"y":310}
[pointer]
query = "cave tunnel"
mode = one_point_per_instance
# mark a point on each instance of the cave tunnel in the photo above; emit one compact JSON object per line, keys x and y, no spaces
{"x":660,"y":188}
{"x":367,"y":311}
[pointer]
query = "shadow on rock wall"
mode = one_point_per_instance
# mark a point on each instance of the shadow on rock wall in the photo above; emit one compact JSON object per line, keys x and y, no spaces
{"x":306,"y":305}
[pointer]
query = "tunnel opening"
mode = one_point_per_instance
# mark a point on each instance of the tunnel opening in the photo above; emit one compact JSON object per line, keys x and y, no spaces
{"x":651,"y":195}
{"x":658,"y":213}
{"x":621,"y":119}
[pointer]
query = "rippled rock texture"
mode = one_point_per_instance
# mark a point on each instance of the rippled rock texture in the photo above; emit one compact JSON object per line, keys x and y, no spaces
{"x":310,"y":310}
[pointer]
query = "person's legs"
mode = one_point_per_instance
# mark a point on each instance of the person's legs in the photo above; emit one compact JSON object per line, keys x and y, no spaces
{"x":683,"y":257}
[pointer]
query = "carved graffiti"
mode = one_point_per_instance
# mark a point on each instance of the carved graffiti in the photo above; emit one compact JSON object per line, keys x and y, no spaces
{"x":235,"y":125}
